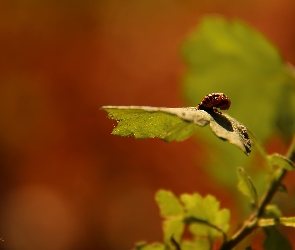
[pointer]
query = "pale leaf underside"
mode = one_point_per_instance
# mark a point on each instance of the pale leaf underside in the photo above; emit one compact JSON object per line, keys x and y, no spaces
{"x":169,"y":123}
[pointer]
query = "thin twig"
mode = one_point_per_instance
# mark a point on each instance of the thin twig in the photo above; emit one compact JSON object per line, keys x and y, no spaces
{"x":175,"y":243}
{"x":251,"y":223}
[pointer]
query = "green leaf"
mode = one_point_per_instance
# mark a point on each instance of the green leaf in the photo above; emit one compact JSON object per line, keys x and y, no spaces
{"x":199,"y":228}
{"x":280,"y":161}
{"x":245,"y":185}
{"x":154,"y":246}
{"x":168,"y":203}
{"x":173,"y":227}
{"x":204,"y":216}
{"x":222,"y":219}
{"x":211,"y":205}
{"x":144,"y":122}
{"x":272,"y":210}
{"x":176,"y":123}
{"x":193,"y":204}
{"x":287,"y":221}
{"x":199,"y":244}
{"x":215,"y":216}
{"x":170,"y":208}
{"x":275,"y":240}
{"x":231,"y":57}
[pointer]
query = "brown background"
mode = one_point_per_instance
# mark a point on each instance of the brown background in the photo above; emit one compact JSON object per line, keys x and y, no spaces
{"x":66,"y":182}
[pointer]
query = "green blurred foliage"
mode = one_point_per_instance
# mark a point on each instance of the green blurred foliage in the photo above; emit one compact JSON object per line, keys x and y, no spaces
{"x":232,"y":58}
{"x":275,"y":240}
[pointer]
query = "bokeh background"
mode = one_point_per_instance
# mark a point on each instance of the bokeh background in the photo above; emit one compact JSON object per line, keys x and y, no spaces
{"x":66,"y":182}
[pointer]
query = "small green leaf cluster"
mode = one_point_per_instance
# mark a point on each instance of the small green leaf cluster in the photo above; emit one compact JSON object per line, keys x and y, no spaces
{"x":206,"y":221}
{"x":202,"y":215}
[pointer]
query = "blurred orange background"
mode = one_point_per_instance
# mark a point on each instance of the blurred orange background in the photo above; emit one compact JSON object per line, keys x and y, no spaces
{"x":66,"y":182}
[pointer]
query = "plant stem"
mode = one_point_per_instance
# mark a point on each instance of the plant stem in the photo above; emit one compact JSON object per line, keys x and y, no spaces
{"x":175,"y":243}
{"x":251,"y":223}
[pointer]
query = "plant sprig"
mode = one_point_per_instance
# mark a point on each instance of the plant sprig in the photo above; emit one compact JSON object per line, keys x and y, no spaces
{"x":252,"y":222}
{"x":233,"y":55}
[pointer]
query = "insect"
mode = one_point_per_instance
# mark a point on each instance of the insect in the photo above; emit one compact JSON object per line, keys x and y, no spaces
{"x":215,"y":100}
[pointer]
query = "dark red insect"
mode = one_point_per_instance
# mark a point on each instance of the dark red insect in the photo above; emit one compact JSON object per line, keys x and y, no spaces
{"x":215,"y":100}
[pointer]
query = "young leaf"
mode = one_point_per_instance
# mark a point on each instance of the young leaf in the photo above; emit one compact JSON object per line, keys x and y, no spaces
{"x":287,"y":221}
{"x":173,"y":227}
{"x":198,"y":243}
{"x":275,"y":240}
{"x":193,"y":204}
{"x":176,"y":124}
{"x":216,"y":216}
{"x":204,"y":216}
{"x":199,"y":228}
{"x":245,"y":185}
{"x":272,"y":210}
{"x":172,"y":210}
{"x":280,"y":161}
{"x":154,"y":246}
{"x":222,"y":219}
{"x":168,"y":203}
{"x":211,"y":205}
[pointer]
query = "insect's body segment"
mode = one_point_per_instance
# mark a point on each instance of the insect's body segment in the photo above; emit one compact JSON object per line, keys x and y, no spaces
{"x":215,"y":100}
{"x":211,"y":102}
